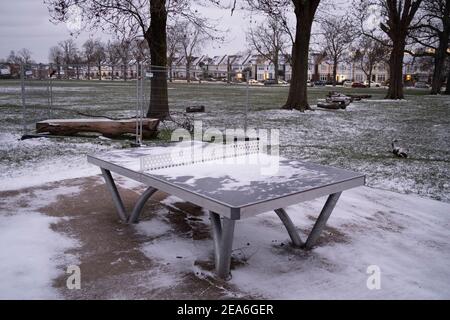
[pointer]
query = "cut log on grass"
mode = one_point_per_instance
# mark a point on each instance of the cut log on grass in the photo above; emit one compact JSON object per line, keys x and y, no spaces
{"x":360,"y":96}
{"x":107,"y":127}
{"x":332,"y":105}
{"x":193,"y":109}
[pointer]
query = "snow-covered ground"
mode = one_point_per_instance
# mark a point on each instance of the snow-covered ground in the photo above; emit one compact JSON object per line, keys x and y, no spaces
{"x":32,"y":255}
{"x":405,"y":236}
{"x":404,"y":233}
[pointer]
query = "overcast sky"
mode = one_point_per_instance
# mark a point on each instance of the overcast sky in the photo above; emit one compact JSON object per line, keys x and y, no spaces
{"x":25,"y":24}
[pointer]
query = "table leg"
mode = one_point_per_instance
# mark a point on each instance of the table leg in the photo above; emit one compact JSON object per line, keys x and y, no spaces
{"x":322,"y":220}
{"x":115,"y":194}
{"x":293,"y":234}
{"x":134,"y":217}
{"x":223,"y":233}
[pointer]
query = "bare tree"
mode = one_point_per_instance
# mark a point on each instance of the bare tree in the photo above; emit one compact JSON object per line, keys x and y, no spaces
{"x":395,"y":20}
{"x":317,"y":59}
{"x":138,"y":18}
{"x":191,"y":38}
{"x":140,"y":50}
{"x":89,"y":54}
{"x":338,"y":34}
{"x":268,"y":39}
{"x":99,"y":56}
{"x":432,"y":31}
{"x":56,"y":57}
{"x":25,"y":55}
{"x":22,"y":56}
{"x":368,"y":54}
{"x":174,"y":48}
{"x":113,"y":55}
{"x":69,"y":50}
{"x":305,"y":12}
{"x":125,"y":54}
{"x":78,"y":60}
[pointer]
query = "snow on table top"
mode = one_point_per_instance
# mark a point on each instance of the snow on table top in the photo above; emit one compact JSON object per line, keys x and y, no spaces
{"x":236,"y":181}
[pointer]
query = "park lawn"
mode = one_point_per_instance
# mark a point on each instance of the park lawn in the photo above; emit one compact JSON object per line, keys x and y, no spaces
{"x":55,"y":211}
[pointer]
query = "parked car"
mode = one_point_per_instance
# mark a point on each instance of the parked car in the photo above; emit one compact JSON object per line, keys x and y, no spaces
{"x":421,"y":85}
{"x":320,"y":83}
{"x":254,"y":82}
{"x":347,"y":83}
{"x":309,"y":83}
{"x":270,"y":82}
{"x":373,"y":84}
{"x":358,"y":85}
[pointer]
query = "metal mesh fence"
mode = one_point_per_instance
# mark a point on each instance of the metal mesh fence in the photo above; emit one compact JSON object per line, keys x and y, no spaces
{"x":117,"y":92}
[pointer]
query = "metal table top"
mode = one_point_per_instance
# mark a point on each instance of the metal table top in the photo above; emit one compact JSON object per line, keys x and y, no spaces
{"x":237,"y":187}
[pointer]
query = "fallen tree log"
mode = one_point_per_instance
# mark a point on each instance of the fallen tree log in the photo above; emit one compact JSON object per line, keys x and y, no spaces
{"x":193,"y":109}
{"x":360,"y":96}
{"x":107,"y":127}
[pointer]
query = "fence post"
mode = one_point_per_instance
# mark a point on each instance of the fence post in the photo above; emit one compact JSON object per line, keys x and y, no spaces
{"x":51,"y":98}
{"x":138,"y":98}
{"x":22,"y":90}
{"x":247,"y":77}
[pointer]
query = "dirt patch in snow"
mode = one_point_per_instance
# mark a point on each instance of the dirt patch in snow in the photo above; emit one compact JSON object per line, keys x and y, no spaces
{"x":112,"y":263}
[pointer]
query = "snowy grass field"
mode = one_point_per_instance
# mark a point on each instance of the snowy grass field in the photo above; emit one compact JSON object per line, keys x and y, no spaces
{"x":399,"y":222}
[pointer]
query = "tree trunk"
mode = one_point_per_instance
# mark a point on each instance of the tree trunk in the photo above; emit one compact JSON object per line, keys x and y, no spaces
{"x":228,"y":70}
{"x":89,"y":72}
{"x":157,"y":40}
{"x":441,"y":54}
{"x":99,"y":72}
{"x":335,"y":65}
{"x":66,"y":70}
{"x":439,"y":62}
{"x":316,"y":76}
{"x":276,"y":66}
{"x":396,"y":68}
{"x":436,"y":82}
{"x":112,"y":72}
{"x":125,"y":69}
{"x":304,"y":13}
{"x":447,"y":89}
{"x":188,"y":70}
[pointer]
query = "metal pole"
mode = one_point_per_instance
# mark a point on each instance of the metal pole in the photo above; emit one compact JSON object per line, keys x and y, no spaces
{"x":137,"y":103}
{"x":22,"y":86}
{"x":51,"y":97}
{"x":141,"y":111}
{"x":247,"y":77}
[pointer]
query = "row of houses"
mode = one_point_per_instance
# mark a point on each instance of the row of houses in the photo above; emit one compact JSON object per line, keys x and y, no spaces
{"x":260,"y":69}
{"x":226,"y":67}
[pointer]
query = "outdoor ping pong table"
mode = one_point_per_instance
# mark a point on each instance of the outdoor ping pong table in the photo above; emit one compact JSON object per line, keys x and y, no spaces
{"x":230,"y":187}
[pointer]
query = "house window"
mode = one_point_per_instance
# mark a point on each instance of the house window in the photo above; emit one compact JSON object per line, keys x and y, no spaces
{"x":359,"y":78}
{"x":381,"y":77}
